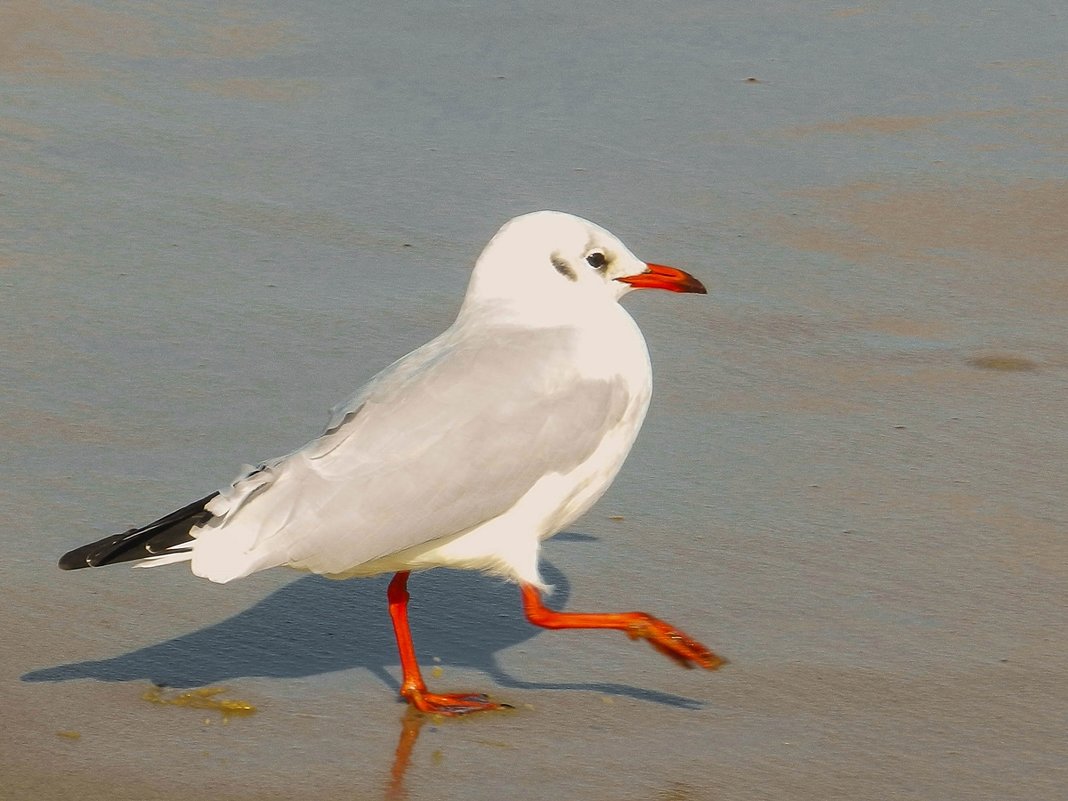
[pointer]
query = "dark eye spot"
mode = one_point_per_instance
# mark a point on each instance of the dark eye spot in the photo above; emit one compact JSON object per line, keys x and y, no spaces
{"x":563,"y":268}
{"x":597,"y":260}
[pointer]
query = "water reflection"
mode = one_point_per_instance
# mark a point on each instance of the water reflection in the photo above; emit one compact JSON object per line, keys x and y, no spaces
{"x":411,"y":724}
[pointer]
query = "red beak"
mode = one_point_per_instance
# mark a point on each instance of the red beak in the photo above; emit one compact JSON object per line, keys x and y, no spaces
{"x":657,"y":276}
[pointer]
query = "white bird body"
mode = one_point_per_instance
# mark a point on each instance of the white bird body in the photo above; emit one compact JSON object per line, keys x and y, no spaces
{"x":506,"y":427}
{"x":466,"y":453}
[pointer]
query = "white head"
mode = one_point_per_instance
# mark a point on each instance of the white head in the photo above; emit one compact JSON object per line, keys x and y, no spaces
{"x":547,"y":267}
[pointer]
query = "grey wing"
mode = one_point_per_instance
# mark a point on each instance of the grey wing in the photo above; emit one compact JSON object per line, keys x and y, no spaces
{"x":448,"y":438}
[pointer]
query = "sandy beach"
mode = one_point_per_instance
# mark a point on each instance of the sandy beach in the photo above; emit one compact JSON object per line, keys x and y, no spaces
{"x":218,"y":219}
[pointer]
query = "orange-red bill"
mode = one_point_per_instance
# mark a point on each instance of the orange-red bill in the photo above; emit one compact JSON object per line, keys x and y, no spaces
{"x":659,"y":276}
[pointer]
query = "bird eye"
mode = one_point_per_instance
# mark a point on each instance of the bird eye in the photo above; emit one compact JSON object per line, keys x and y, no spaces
{"x":596,"y":260}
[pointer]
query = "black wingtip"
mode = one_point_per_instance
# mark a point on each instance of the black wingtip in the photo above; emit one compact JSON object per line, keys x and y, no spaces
{"x":91,"y":555}
{"x":141,"y":543}
{"x":73,"y":560}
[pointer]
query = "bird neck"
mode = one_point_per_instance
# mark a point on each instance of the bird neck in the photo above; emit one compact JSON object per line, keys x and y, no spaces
{"x":531,"y":311}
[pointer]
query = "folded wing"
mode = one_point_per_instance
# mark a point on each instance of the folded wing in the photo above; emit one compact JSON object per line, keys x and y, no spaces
{"x":447,"y":438}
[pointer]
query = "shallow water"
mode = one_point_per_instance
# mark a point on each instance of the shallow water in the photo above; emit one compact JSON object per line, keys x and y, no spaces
{"x":217,"y":219}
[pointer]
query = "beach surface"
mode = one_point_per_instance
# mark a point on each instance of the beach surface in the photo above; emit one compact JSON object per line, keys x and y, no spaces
{"x":218,"y":219}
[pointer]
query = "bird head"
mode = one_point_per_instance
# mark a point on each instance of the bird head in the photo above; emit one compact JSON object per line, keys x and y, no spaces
{"x":549,"y":265}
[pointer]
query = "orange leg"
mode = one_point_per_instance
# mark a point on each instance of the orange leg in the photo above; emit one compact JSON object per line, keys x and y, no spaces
{"x":667,"y":640}
{"x":413,"y":688}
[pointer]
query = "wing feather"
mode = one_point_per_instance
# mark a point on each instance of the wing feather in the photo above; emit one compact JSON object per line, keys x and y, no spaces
{"x":447,"y":438}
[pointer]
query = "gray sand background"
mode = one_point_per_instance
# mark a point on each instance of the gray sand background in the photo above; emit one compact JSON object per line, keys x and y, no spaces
{"x":217,"y":219}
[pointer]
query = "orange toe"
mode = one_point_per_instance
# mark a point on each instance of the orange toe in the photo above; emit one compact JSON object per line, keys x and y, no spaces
{"x":451,"y":704}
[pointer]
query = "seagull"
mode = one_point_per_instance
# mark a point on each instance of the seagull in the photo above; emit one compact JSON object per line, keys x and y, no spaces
{"x":466,"y":453}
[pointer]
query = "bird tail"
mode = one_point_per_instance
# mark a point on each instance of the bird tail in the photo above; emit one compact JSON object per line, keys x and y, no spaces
{"x":160,"y":542}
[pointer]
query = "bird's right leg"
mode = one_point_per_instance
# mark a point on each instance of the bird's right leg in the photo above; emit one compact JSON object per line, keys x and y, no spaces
{"x":664,"y":637}
{"x":413,"y":688}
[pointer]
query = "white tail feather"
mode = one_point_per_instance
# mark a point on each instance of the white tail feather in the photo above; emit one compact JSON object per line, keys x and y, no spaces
{"x":164,"y":559}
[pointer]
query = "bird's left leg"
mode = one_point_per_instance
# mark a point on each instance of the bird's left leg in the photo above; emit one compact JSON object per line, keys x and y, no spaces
{"x":413,"y":688}
{"x":637,"y":625}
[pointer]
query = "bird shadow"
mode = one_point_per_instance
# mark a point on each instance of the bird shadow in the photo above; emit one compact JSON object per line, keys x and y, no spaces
{"x":316,"y":625}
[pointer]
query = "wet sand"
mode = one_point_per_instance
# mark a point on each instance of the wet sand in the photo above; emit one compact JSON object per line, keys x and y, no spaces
{"x":217,"y":220}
